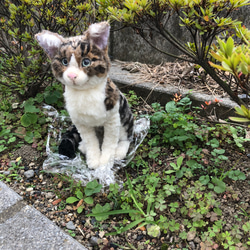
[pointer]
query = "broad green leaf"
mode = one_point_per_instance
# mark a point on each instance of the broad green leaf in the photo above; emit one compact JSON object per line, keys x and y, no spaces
{"x":229,"y":46}
{"x":89,"y":200}
{"x":216,"y":56}
{"x":179,"y":161}
{"x":80,"y":209}
{"x":92,"y":187}
{"x":236,"y":175}
{"x":227,"y":65}
{"x":71,"y":200}
{"x":100,"y":212}
{"x":217,"y":66}
{"x":28,"y":118}
{"x":29,"y":137}
{"x":29,"y":107}
{"x":220,"y":186}
{"x":240,"y":111}
{"x":179,"y":173}
{"x":79,"y":195}
{"x":239,"y":119}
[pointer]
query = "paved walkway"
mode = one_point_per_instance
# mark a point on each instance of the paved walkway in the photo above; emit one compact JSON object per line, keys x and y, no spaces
{"x":22,"y":227}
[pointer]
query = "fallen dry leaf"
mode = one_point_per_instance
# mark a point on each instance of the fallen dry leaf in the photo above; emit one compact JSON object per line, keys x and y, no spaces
{"x":55,"y":202}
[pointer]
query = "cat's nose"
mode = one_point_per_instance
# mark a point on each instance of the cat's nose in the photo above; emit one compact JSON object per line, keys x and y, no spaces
{"x":72,"y":76}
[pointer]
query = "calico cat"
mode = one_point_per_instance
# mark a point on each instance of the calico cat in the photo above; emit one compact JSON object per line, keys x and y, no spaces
{"x":93,"y":101}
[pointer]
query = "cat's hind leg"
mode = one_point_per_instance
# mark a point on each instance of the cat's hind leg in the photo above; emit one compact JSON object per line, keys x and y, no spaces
{"x":123,"y":145}
{"x":122,"y":150}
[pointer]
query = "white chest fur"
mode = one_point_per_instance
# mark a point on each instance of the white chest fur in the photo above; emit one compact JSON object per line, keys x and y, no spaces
{"x":86,"y":106}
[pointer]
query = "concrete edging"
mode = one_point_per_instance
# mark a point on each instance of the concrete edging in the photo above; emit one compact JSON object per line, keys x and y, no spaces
{"x":24,"y":227}
{"x":128,"y":81}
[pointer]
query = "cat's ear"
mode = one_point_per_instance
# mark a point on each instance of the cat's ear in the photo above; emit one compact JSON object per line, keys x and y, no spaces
{"x":49,"y":41}
{"x":98,"y":33}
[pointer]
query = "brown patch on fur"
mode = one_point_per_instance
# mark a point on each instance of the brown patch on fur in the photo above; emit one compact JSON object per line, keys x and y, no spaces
{"x":81,"y":47}
{"x":112,"y":95}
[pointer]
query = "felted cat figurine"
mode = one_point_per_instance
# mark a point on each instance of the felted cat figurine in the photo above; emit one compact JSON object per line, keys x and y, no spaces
{"x":93,"y":101}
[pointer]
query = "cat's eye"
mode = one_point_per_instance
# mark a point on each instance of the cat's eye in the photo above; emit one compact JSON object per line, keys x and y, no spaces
{"x":65,"y":61}
{"x":86,"y":62}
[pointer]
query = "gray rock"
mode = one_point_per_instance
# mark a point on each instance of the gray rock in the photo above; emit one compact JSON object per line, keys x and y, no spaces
{"x":70,"y":225}
{"x":191,"y":244}
{"x":29,"y":174}
{"x":93,"y":241}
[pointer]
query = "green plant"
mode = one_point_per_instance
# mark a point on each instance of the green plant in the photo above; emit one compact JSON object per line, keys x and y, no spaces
{"x":71,"y":233}
{"x":13,"y":171}
{"x":91,"y":188}
{"x":138,"y":215}
{"x":6,"y":138}
{"x":175,"y":125}
{"x":24,"y":67}
{"x":244,"y":112}
{"x":234,"y":59}
{"x":203,"y":21}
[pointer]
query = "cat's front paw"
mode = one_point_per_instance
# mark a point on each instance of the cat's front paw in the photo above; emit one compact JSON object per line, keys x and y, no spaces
{"x":93,"y":163}
{"x":122,"y":150}
{"x":82,"y":147}
{"x":106,"y":159}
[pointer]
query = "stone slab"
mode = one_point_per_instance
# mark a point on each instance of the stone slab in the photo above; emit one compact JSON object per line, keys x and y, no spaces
{"x":7,"y":197}
{"x":30,"y":230}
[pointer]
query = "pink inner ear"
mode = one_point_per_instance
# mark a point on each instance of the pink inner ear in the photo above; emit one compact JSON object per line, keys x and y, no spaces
{"x":49,"y":41}
{"x":99,"y":34}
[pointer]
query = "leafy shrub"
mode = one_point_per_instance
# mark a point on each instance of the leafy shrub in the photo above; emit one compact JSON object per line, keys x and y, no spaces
{"x":24,"y":67}
{"x":203,"y":20}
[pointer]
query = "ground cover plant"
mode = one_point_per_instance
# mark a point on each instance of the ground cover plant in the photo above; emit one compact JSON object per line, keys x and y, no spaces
{"x":187,"y":187}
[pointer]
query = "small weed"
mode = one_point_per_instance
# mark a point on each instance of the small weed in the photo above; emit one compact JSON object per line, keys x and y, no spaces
{"x":91,"y":188}
{"x":12,"y":173}
{"x":71,"y":233}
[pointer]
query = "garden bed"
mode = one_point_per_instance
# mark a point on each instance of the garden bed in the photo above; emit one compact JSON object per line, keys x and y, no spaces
{"x":193,"y":183}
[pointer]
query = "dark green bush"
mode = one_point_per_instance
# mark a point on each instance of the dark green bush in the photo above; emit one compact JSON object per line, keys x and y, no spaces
{"x":23,"y":65}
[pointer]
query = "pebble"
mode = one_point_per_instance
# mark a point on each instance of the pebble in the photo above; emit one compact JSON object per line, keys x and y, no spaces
{"x":49,"y":195}
{"x":70,"y":225}
{"x":88,"y":236}
{"x":192,"y":245}
{"x":68,"y":207}
{"x":29,"y":189}
{"x":139,"y":237}
{"x":101,"y":234}
{"x":93,"y":241}
{"x":197,"y":240}
{"x":6,"y":172}
{"x":93,"y":221}
{"x":29,"y":173}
